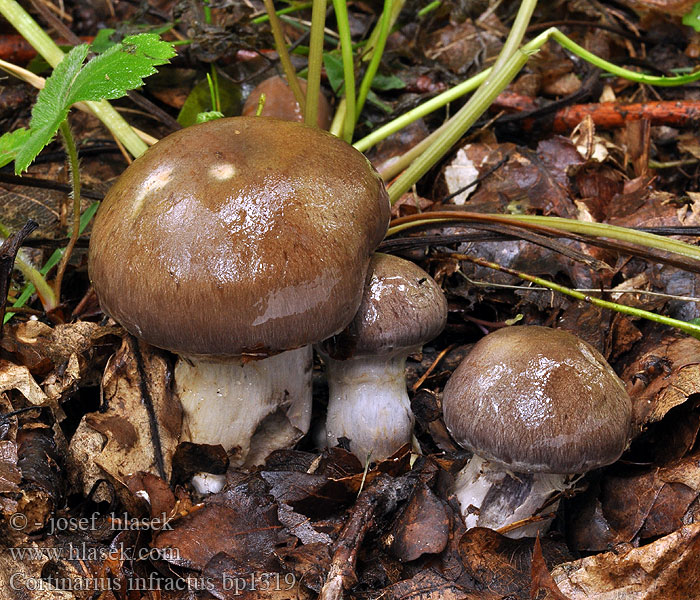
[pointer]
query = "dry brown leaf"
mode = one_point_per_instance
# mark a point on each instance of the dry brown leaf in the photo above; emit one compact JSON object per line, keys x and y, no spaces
{"x":422,"y":528}
{"x":16,"y":377}
{"x":22,"y":578}
{"x":667,"y":569}
{"x":541,"y":577}
{"x":663,"y":370}
{"x":429,"y":585}
{"x":130,"y":433}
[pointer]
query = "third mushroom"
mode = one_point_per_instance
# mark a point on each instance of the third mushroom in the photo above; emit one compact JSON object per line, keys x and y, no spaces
{"x":402,"y":308}
{"x":535,"y":406}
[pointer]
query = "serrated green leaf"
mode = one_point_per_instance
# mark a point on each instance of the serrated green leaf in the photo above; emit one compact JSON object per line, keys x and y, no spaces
{"x":102,"y":41}
{"x":10,"y":143}
{"x":120,"y":68}
{"x":51,"y":107}
{"x":209,"y":115}
{"x":692,"y":18}
{"x":107,"y":76}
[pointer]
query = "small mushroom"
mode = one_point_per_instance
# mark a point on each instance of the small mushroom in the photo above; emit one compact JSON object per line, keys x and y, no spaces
{"x":281,"y":103}
{"x":402,"y":308}
{"x":236,"y":244}
{"x":535,"y":406}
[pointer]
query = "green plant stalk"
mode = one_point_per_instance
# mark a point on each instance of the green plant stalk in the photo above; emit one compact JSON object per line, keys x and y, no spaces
{"x":341,"y":16}
{"x":74,"y":169}
{"x":604,"y":230}
{"x":555,"y":34}
{"x":38,"y":277}
{"x":377,"y":49}
{"x":282,"y":11}
{"x":429,"y":7}
{"x":507,"y":65}
{"x":689,"y":328}
{"x":44,"y":45}
{"x":338,"y":125}
{"x":282,"y":52}
{"x":470,"y":84}
{"x":373,"y":38}
{"x":34,"y":276}
{"x":424,"y":109}
{"x":313,"y":81}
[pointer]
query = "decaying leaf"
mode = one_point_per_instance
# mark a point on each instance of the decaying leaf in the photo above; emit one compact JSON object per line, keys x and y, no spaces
{"x":422,"y":528}
{"x":502,"y":564}
{"x":17,"y":377}
{"x":664,"y":370}
{"x":430,"y":585}
{"x":241,"y":522}
{"x":22,"y":578}
{"x":667,"y":569}
{"x":138,"y":426}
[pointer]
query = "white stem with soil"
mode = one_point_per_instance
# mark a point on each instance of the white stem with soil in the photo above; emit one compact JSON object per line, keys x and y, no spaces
{"x":493,"y":497}
{"x":250,"y":407}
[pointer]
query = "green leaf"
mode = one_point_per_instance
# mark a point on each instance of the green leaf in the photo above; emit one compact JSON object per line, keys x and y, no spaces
{"x":10,"y":143}
{"x":199,"y":101}
{"x":102,"y":41}
{"x":334,"y":69}
{"x":384,"y":83}
{"x":209,"y":115}
{"x":692,"y":18}
{"x":107,"y":76}
{"x":372,"y":98}
{"x":121,"y":68}
{"x":51,"y":107}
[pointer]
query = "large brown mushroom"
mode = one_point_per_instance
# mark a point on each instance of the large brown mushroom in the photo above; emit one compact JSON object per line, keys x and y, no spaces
{"x":236,"y":244}
{"x":535,"y":406}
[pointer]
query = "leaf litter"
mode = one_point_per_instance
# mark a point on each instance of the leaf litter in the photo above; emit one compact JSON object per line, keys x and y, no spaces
{"x":89,"y":429}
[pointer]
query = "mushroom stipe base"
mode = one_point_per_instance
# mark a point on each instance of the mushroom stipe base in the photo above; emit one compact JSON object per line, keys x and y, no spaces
{"x":250,"y":407}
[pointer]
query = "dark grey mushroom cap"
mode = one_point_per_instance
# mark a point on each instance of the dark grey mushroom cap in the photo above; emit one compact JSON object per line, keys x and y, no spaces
{"x":402,"y":307}
{"x":236,"y":236}
{"x":536,"y":399}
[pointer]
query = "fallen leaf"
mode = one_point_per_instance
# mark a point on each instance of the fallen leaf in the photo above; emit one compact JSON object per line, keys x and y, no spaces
{"x":131,"y":432}
{"x":667,"y":569}
{"x":422,"y":528}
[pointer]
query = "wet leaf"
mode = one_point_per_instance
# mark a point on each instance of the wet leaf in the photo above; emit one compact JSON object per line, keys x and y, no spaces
{"x":667,"y":569}
{"x":422,"y":528}
{"x":138,"y":426}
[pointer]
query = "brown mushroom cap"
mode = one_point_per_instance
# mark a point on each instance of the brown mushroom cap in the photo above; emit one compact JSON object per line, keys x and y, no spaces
{"x":240,"y":235}
{"x":281,"y":103}
{"x":402,"y":307}
{"x":536,"y":399}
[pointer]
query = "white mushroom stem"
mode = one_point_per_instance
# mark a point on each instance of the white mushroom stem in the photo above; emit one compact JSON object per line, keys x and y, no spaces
{"x":368,"y":405}
{"x":250,"y":407}
{"x":492,"y":497}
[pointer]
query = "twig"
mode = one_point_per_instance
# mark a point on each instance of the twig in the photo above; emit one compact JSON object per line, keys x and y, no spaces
{"x":8,"y":252}
{"x":379,"y":498}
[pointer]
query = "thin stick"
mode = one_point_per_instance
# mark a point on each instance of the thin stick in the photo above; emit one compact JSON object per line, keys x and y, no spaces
{"x":313,"y":80}
{"x":282,"y":52}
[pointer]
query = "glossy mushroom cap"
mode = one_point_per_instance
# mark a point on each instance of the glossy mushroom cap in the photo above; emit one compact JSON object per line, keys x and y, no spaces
{"x":402,"y":307}
{"x":535,"y":399}
{"x":240,"y":235}
{"x":281,"y":103}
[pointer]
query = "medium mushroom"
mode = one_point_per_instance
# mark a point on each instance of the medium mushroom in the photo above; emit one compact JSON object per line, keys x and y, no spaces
{"x":402,"y":308}
{"x":535,"y":406}
{"x":281,"y":103}
{"x":236,"y":244}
